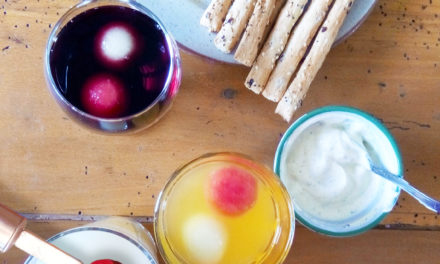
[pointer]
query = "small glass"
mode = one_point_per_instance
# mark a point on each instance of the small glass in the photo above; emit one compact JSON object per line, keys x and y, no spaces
{"x":131,"y":121}
{"x":191,"y":228}
{"x":117,"y":238}
{"x":315,"y":207}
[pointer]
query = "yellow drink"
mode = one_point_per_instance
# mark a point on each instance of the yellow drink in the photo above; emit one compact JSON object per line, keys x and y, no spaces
{"x":191,"y":227}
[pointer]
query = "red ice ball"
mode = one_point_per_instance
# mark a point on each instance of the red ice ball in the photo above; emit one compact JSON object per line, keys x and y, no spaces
{"x":104,"y":95}
{"x":232,"y":190}
{"x":105,"y":261}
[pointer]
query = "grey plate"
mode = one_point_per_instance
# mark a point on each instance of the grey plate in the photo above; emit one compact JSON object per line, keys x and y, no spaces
{"x":182,"y":18}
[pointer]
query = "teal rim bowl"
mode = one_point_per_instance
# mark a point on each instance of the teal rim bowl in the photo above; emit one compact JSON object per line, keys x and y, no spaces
{"x":369,"y":120}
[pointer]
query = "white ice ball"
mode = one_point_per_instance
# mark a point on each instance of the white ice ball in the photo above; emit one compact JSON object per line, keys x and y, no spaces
{"x":117,"y":43}
{"x":205,"y":238}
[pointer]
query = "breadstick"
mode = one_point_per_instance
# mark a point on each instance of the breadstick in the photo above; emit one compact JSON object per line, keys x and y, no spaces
{"x":215,"y":14}
{"x":295,"y":49}
{"x":297,"y":90}
{"x":257,"y":77}
{"x":273,"y":18}
{"x":248,"y":47}
{"x":234,"y":25}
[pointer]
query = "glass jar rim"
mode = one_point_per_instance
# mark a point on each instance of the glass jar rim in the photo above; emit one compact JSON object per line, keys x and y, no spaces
{"x":223,"y":156}
{"x":357,"y":112}
{"x":90,"y":4}
{"x":52,"y":239}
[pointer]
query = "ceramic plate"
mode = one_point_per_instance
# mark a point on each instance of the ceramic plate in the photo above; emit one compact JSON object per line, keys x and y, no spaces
{"x":182,"y":17}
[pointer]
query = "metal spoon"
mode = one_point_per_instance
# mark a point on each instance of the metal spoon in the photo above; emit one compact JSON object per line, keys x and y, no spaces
{"x":378,"y":169}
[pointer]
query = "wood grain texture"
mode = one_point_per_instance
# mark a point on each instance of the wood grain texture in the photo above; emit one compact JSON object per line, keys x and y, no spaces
{"x":48,"y":164}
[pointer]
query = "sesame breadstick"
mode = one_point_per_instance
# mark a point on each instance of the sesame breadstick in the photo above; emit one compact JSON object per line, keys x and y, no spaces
{"x":273,"y":18}
{"x":248,"y":47}
{"x":215,"y":14}
{"x":297,"y":90}
{"x":234,"y":24}
{"x":274,"y":46}
{"x":295,"y":49}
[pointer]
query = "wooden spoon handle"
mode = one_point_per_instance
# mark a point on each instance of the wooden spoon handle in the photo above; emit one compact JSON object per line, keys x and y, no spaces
{"x":48,"y":253}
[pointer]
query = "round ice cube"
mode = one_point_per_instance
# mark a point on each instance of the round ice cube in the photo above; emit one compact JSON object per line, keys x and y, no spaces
{"x":116,"y":44}
{"x":105,"y":261}
{"x":104,"y":95}
{"x":204,"y":238}
{"x":233,"y":190}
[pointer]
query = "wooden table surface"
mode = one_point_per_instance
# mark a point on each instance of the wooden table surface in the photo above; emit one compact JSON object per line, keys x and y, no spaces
{"x":51,"y":167}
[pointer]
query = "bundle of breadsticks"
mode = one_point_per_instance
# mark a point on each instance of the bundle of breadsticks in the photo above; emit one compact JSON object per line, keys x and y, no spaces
{"x":285,"y":42}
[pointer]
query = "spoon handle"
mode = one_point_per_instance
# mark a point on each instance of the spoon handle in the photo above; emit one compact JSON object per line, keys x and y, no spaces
{"x":427,"y":201}
{"x":48,"y":253}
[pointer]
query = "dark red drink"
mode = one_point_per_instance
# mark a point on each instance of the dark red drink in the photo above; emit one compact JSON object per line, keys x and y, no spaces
{"x":111,"y":61}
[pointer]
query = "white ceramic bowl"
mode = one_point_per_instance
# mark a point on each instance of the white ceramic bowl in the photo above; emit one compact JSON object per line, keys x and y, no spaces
{"x":329,"y":213}
{"x":183,"y":22}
